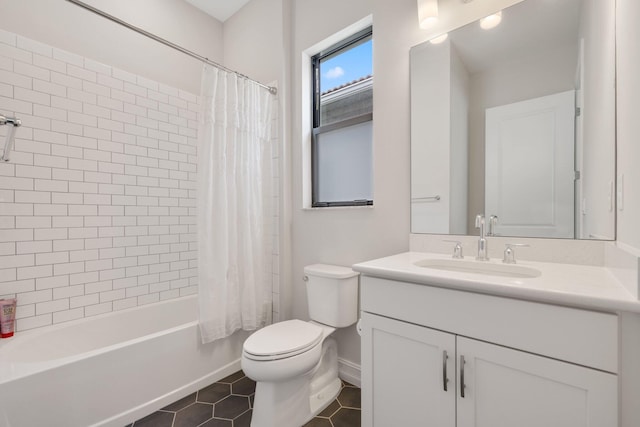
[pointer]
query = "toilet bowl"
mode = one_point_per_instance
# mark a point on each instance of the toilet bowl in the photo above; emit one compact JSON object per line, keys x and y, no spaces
{"x":295,"y":362}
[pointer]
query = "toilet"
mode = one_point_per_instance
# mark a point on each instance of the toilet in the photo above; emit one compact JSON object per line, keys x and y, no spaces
{"x":295,"y":363}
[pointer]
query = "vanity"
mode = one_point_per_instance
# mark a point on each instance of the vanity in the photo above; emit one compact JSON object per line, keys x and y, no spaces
{"x":458,"y":342}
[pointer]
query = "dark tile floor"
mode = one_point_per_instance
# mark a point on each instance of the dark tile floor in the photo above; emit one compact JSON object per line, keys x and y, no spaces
{"x":229,"y":402}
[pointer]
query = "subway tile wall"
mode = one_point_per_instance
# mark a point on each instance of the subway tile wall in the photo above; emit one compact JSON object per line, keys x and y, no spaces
{"x":97,"y":206}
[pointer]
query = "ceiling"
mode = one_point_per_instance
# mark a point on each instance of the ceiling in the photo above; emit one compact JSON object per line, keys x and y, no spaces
{"x":219,"y":9}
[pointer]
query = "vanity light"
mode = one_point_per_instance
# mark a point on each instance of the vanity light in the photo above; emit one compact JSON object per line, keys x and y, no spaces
{"x":427,"y":13}
{"x":439,"y":39}
{"x":491,"y":21}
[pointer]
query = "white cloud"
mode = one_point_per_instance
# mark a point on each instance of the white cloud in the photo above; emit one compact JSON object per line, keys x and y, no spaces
{"x":334,"y":73}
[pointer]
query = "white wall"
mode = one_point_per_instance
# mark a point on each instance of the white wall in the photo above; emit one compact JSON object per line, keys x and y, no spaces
{"x":346,"y":236}
{"x":628,"y":92}
{"x":69,"y":27}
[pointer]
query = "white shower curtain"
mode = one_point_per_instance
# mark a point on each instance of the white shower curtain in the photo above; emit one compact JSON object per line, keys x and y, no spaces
{"x":234,"y":205}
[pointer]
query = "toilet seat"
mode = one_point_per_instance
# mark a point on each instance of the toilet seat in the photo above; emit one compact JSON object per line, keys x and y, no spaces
{"x":282,"y":340}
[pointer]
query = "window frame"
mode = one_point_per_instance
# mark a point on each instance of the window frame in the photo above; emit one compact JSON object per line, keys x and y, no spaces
{"x":318,"y":129}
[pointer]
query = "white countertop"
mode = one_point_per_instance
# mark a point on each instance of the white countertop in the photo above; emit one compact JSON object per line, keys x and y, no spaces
{"x":563,"y":284}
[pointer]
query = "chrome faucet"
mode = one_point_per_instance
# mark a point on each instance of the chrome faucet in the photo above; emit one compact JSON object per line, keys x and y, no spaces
{"x":483,"y":251}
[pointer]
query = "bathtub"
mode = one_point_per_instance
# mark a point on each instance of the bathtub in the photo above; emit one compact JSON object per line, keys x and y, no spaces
{"x":112,"y":369}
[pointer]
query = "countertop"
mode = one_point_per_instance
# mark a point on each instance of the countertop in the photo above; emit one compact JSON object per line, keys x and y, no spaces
{"x":592,"y":287}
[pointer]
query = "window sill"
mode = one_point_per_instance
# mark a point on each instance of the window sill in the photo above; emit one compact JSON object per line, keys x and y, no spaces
{"x":333,"y":208}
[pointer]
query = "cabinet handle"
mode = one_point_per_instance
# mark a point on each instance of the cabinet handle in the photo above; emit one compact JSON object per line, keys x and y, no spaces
{"x":445,"y":380}
{"x":462,"y":376}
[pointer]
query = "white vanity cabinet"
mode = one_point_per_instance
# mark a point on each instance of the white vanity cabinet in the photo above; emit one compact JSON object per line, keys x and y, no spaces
{"x":445,"y":358}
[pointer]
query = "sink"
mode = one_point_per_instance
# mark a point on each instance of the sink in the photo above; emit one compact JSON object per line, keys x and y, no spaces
{"x":480,"y":267}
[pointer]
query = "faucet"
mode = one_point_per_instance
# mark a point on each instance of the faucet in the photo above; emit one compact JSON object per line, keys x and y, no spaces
{"x":483,"y":252}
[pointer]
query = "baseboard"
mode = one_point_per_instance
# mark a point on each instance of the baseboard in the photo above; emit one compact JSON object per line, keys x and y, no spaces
{"x":349,"y":371}
{"x":147,"y":408}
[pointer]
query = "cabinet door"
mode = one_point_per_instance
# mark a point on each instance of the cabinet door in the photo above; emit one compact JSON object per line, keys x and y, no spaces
{"x":509,"y":388}
{"x":404,"y":369}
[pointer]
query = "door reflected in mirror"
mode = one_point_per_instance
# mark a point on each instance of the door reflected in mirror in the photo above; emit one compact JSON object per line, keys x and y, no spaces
{"x":518,"y":121}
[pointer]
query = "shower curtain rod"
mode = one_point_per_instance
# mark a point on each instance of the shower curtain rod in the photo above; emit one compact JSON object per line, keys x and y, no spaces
{"x":165,"y":42}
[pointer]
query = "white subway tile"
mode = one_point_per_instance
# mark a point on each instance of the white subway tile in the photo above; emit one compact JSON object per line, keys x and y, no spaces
{"x":56,"y":114}
{"x":82,"y":96}
{"x":67,"y":198}
{"x":91,"y":288}
{"x":110,"y":167}
{"x":125,"y":303}
{"x":66,"y":81}
{"x":83,"y":255}
{"x":67,"y":57}
{"x":97,"y":199}
{"x":18,"y":286}
{"x":136,"y":110}
{"x":93,"y":310}
{"x":31,"y":247}
{"x":30,"y":197}
{"x":81,"y":141}
{"x":112,"y":253}
{"x":31,"y":96}
{"x":33,"y":322}
{"x":123,"y":75}
{"x":68,"y":245}
{"x":146,"y":103}
{"x":83,"y":232}
{"x":97,"y":221}
{"x":52,"y":258}
{"x":98,"y":177}
{"x":96,"y":66}
{"x":81,"y":73}
{"x":83,"y":187}
{"x":49,"y":209}
{"x":148,"y":299}
{"x":88,"y":165}
{"x":84,"y":300}
{"x":51,"y":306}
{"x":6,"y":64}
{"x":68,"y":315}
{"x":34,"y":297}
{"x":34,"y":46}
{"x":115,"y":147}
{"x":98,"y":243}
{"x":104,"y":210}
{"x":110,"y":125}
{"x":98,"y":265}
{"x":157,"y":96}
{"x":66,"y":127}
{"x":8,"y":248}
{"x":82,"y":210}
{"x":95,"y":88}
{"x":50,"y":234}
{"x":12,"y":261}
{"x":108,"y":81}
{"x":137,"y":290}
{"x":84,"y":278}
{"x":68,"y":268}
{"x":34,"y":272}
{"x":50,"y":88}
{"x":83,"y":119}
{"x":94,"y":132}
{"x":15,"y":105}
{"x":96,"y":110}
{"x":33,"y":222}
{"x":15,"y":79}
{"x":126,"y":282}
{"x":49,"y":63}
{"x":16,"y":208}
{"x":49,"y":161}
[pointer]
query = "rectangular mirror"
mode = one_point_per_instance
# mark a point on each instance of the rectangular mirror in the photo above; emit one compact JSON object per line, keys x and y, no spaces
{"x":517,"y":122}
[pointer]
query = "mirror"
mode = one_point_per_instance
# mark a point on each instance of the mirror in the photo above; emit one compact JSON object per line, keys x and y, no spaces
{"x":518,"y":122}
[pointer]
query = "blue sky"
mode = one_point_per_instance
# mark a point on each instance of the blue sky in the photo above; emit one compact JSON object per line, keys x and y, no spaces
{"x":348,"y":66}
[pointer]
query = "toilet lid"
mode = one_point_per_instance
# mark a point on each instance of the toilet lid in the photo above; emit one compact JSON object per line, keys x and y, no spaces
{"x":283,"y":339}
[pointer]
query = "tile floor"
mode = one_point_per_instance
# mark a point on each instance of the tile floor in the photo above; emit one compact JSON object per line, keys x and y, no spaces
{"x":228,"y":403}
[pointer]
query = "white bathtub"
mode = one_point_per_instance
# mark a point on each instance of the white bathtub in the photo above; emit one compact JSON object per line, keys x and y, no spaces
{"x":109,"y":370}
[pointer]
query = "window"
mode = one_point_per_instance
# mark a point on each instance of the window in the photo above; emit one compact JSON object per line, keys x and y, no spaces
{"x":341,"y":143}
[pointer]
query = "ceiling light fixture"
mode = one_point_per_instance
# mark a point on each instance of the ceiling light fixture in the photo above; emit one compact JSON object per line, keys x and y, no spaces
{"x":427,"y":13}
{"x":491,"y":21}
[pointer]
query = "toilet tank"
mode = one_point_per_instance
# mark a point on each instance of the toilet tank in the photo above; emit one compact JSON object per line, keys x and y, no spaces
{"x":332,"y":294}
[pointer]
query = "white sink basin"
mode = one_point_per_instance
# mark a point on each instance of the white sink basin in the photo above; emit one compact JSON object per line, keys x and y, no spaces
{"x":480,"y":267}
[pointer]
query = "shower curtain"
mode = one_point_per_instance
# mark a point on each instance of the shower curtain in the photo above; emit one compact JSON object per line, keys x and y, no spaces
{"x":234,"y":205}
